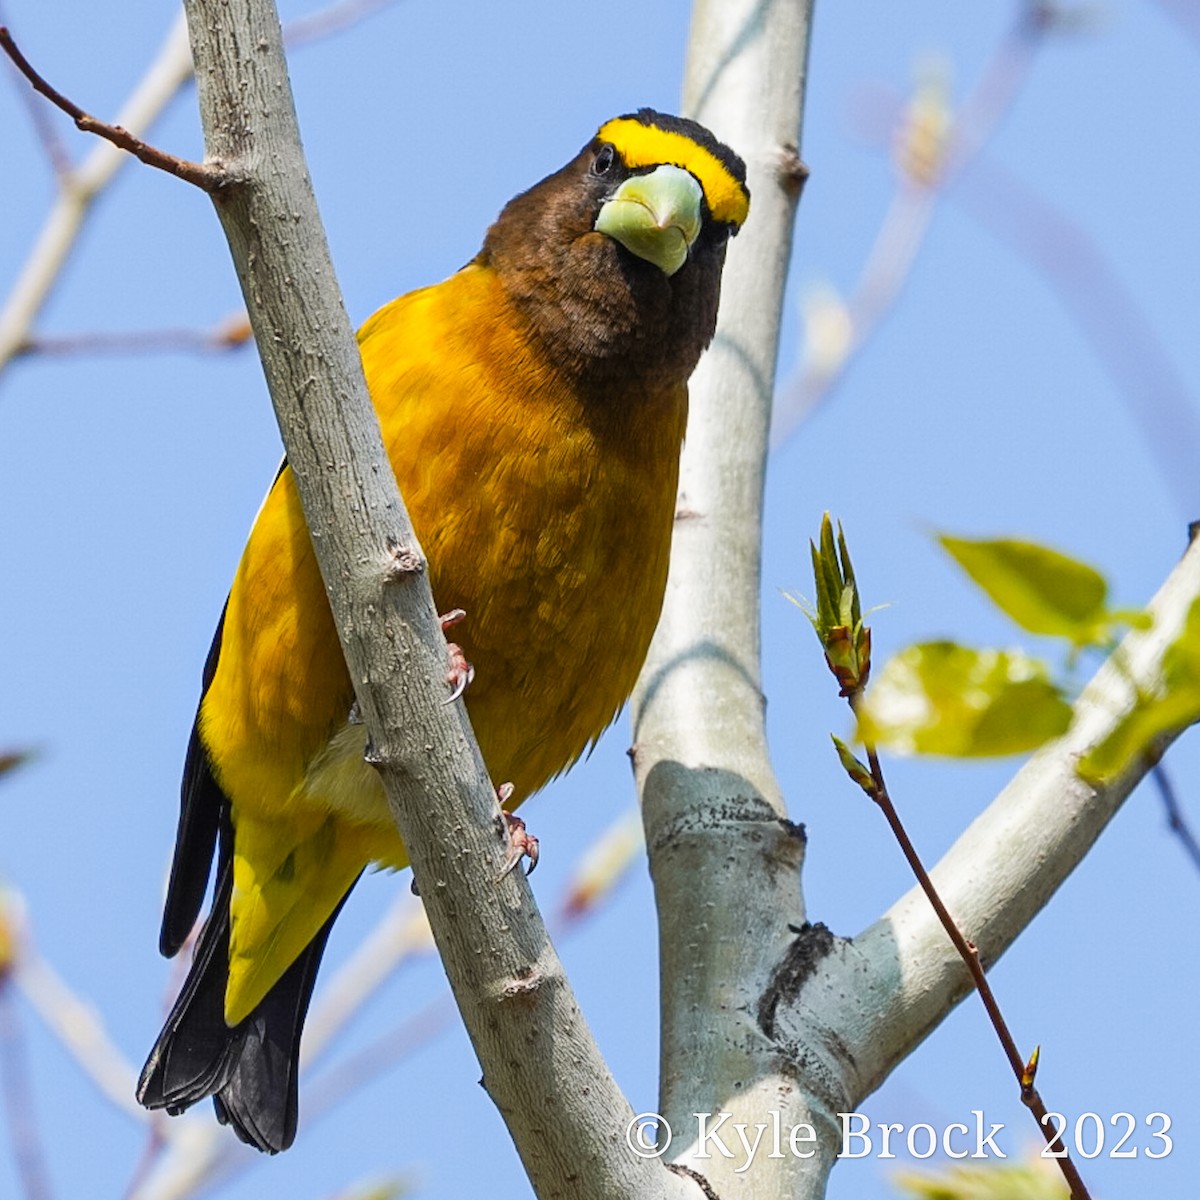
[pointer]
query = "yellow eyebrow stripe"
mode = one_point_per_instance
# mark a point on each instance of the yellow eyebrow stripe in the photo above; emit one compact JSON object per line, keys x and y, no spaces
{"x":647,"y":146}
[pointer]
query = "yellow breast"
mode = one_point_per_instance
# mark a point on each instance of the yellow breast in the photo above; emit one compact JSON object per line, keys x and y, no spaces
{"x":545,"y":514}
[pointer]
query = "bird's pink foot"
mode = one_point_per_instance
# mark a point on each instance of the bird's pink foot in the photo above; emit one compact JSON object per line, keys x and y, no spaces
{"x":459,"y":672}
{"x":521,"y":843}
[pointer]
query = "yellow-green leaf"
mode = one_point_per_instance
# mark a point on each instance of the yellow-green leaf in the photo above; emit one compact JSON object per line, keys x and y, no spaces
{"x":1044,"y":591}
{"x":1174,"y":707}
{"x":943,"y":698}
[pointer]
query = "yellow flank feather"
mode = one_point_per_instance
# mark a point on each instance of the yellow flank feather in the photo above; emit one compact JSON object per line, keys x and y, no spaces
{"x":643,"y":145}
{"x":476,"y":424}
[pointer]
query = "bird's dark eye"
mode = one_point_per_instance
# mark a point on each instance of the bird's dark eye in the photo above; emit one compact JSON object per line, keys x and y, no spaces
{"x":605,"y":157}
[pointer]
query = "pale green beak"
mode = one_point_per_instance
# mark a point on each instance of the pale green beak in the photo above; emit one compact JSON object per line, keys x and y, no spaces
{"x":655,"y":216}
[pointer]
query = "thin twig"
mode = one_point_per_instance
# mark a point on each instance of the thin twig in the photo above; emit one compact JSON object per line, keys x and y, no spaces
{"x":56,"y":150}
{"x":1175,"y":818}
{"x":401,"y":933}
{"x":42,"y":268}
{"x":969,"y":952}
{"x":23,"y":1133}
{"x":908,"y":218}
{"x":1105,"y":311}
{"x":208,"y":177}
{"x":356,"y":1070}
{"x":228,"y":335}
{"x":166,"y":75}
{"x":327,"y":21}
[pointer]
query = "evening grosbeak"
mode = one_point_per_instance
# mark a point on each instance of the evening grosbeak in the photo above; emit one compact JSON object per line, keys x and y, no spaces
{"x":533,"y":408}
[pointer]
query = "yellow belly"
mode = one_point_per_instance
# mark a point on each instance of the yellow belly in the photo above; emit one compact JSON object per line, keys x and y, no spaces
{"x":545,"y":516}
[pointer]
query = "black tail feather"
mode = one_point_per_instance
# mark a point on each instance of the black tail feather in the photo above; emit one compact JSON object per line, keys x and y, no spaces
{"x":258,"y":1098}
{"x":250,"y":1070}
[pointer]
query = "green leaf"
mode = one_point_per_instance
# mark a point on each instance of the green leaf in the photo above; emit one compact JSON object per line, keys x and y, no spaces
{"x":1174,"y":707}
{"x":837,"y":620}
{"x":1042,"y":590}
{"x":943,"y":698}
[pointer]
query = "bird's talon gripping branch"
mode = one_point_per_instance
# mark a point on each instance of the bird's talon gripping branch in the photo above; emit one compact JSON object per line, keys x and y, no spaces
{"x":460,"y":672}
{"x":521,"y":843}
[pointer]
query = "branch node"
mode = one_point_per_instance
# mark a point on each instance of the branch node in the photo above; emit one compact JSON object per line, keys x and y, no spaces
{"x":404,"y":561}
{"x":791,"y":170}
{"x":696,"y":1178}
{"x":524,"y":986}
{"x":803,"y":956}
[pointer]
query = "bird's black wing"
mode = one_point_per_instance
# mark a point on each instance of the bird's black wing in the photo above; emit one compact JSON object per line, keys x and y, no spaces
{"x":201,"y":804}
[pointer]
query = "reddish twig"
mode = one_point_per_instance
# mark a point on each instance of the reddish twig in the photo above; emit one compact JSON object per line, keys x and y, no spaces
{"x":56,"y":152}
{"x":221,"y":338}
{"x":1023,"y":1070}
{"x":204,"y":176}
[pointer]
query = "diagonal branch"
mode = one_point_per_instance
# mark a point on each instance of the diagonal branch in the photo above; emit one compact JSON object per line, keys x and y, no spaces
{"x":43,"y":265}
{"x":999,"y":873}
{"x":207,"y":177}
{"x":1023,"y":1069}
{"x":79,"y":187}
{"x":565,"y":1112}
{"x":1177,"y":822}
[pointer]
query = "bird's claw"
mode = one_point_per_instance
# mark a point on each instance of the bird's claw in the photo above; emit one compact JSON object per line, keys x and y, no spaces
{"x":460,"y":672}
{"x":521,"y":843}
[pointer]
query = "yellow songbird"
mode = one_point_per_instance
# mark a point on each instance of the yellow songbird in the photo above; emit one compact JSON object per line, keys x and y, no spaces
{"x":533,"y":407}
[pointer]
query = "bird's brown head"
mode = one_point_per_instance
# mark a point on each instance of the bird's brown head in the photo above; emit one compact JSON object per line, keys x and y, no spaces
{"x":614,"y":262}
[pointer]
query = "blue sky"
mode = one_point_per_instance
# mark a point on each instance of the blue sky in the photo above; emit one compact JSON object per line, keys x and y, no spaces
{"x":980,"y":406}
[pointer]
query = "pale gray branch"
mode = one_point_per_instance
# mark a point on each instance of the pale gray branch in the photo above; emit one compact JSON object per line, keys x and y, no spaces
{"x":80,"y":1030}
{"x":723,"y":856}
{"x":1007,"y":864}
{"x":79,"y":188}
{"x":566,"y":1114}
{"x":864,"y":1005}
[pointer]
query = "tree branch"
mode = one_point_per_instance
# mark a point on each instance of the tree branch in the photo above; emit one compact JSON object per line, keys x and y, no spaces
{"x":723,"y":856}
{"x":208,"y":178}
{"x":24,"y":1134}
{"x":910,"y":215}
{"x":566,"y":1114}
{"x":902,"y":972}
{"x":79,"y":186}
{"x":1024,"y":1069}
{"x":43,"y":265}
